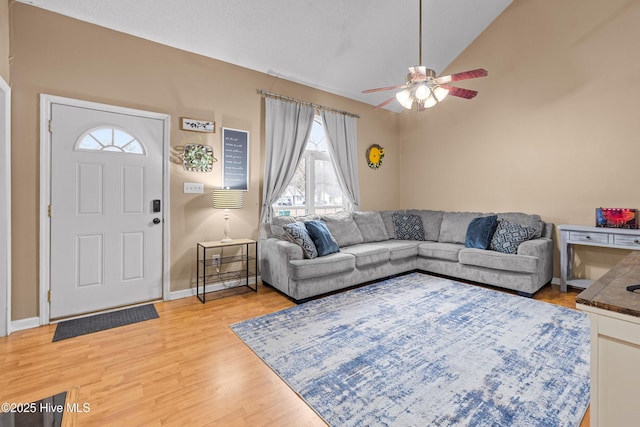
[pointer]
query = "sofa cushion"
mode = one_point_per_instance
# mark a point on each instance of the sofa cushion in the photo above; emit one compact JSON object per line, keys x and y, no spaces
{"x":339,"y":262}
{"x":278,"y":222}
{"x":431,"y":222}
{"x":446,"y":251}
{"x":509,"y":235}
{"x":498,"y":260}
{"x":371,"y":226}
{"x":297,"y":233}
{"x":527,"y":220}
{"x":408,"y":227}
{"x":480,"y":232}
{"x":387,"y":218}
{"x":368,"y":254}
{"x":454,"y":226}
{"x":322,"y":238}
{"x":343,"y":228}
{"x":401,"y":249}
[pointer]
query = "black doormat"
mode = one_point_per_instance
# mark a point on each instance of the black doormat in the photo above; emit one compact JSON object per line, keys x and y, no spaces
{"x":100,"y":322}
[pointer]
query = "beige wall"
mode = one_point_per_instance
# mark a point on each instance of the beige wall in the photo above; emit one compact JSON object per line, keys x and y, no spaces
{"x":4,"y":40}
{"x":61,"y":56}
{"x":554,"y":129}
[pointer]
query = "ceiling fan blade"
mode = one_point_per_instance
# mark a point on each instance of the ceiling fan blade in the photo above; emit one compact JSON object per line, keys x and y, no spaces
{"x":382,"y":89}
{"x":385,"y":103}
{"x":472,"y":74}
{"x":460,"y":92}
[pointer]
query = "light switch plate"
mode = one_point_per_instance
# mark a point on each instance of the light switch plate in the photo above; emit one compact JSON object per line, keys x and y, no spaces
{"x":193,"y":187}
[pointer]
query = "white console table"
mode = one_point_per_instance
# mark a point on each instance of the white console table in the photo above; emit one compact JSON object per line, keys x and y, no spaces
{"x":570,"y":235}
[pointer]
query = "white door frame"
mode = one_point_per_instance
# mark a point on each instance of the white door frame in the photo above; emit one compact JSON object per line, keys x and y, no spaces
{"x":5,"y":209}
{"x":46,"y":102}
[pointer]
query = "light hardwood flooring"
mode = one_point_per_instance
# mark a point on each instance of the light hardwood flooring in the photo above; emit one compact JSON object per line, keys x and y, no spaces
{"x":186,"y":368}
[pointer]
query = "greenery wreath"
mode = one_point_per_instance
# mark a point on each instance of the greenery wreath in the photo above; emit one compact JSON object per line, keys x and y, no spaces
{"x":198,"y":158}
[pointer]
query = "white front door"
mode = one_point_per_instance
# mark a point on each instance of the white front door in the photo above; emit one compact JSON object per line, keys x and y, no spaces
{"x":106,"y":209}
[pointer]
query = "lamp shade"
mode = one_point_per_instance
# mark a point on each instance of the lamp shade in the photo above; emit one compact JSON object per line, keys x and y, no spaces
{"x":228,"y":199}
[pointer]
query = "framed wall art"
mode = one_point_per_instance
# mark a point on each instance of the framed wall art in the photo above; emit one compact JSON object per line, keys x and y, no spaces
{"x":197,"y":125}
{"x":235,"y":159}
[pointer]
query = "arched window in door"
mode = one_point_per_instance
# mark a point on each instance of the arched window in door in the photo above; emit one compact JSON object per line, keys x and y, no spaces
{"x":109,"y":138}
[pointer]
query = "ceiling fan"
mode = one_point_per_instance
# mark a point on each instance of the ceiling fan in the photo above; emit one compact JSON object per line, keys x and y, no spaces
{"x":424,"y":88}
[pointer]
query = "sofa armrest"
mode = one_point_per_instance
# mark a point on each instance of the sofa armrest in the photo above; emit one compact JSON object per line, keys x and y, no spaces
{"x":275,"y":255}
{"x":541,"y":248}
{"x":536,"y":247}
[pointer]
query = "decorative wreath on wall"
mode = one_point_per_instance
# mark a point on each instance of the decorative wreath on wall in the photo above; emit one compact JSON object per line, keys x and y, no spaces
{"x":198,"y":158}
{"x":375,"y":154}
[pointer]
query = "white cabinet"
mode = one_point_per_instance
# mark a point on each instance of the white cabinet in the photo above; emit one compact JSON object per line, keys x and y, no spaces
{"x":615,"y":373}
{"x":614,"y":315}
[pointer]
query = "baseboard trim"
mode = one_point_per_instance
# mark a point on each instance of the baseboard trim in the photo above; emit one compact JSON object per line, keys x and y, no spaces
{"x":34,"y":322}
{"x":22,"y":324}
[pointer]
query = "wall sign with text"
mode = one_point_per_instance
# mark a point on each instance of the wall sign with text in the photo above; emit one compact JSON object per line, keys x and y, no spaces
{"x":235,"y":159}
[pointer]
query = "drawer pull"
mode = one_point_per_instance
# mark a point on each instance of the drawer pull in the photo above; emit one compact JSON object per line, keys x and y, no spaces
{"x":636,"y":241}
{"x":587,"y":237}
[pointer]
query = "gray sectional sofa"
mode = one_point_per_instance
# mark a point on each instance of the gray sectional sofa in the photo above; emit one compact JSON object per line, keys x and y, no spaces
{"x":378,"y":244}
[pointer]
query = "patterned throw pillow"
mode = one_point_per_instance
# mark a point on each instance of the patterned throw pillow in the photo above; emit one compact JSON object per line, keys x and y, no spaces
{"x":297,"y":233}
{"x":509,"y":235}
{"x":408,"y":226}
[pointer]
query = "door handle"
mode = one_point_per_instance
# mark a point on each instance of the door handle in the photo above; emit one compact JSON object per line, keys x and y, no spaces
{"x":156,"y":220}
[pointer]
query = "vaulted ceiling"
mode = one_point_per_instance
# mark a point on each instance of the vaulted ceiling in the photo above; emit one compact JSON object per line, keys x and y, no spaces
{"x":339,"y":46}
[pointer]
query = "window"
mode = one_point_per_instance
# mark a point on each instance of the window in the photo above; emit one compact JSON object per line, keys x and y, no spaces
{"x":109,"y":139}
{"x":314,"y":187}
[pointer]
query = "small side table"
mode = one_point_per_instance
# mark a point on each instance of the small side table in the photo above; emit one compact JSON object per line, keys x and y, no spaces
{"x":214,"y":264}
{"x":570,"y":235}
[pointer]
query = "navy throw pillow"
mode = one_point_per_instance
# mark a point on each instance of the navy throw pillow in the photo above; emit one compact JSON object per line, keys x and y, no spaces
{"x":480,"y":232}
{"x":322,"y":238}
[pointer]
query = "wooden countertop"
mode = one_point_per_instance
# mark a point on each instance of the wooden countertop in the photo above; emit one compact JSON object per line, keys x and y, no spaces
{"x":610,"y":293}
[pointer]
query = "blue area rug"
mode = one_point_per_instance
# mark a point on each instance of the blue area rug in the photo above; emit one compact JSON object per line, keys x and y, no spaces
{"x":424,"y":351}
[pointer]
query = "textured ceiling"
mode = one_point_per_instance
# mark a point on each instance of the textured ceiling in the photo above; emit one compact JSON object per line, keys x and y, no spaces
{"x":340,"y":46}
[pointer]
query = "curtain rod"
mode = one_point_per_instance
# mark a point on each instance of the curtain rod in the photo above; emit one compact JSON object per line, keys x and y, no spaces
{"x":298,"y":101}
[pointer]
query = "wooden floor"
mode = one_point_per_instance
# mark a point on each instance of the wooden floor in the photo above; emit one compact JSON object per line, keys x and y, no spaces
{"x":186,"y":368}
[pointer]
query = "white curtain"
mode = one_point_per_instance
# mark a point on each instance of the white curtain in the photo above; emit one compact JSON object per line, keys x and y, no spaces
{"x":343,"y":149}
{"x":287,"y":128}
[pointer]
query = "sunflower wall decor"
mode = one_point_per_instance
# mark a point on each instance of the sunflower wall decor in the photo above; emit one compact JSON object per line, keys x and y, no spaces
{"x":375,"y":154}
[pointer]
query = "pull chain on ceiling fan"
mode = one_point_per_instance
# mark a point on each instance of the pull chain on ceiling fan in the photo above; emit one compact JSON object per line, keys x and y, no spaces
{"x":424,"y":88}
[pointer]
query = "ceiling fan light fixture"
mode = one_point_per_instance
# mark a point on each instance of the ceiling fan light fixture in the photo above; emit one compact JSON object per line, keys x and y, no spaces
{"x":440,"y":93}
{"x":405,"y":99}
{"x":423,"y":92}
{"x":423,"y":86}
{"x":431,"y":101}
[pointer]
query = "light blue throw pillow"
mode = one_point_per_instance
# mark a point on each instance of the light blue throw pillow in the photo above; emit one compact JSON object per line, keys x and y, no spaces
{"x":298,"y":233}
{"x":480,"y":232}
{"x":322,"y":238}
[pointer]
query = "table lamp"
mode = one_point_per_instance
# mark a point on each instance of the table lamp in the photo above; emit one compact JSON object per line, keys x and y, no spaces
{"x":227,"y":199}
